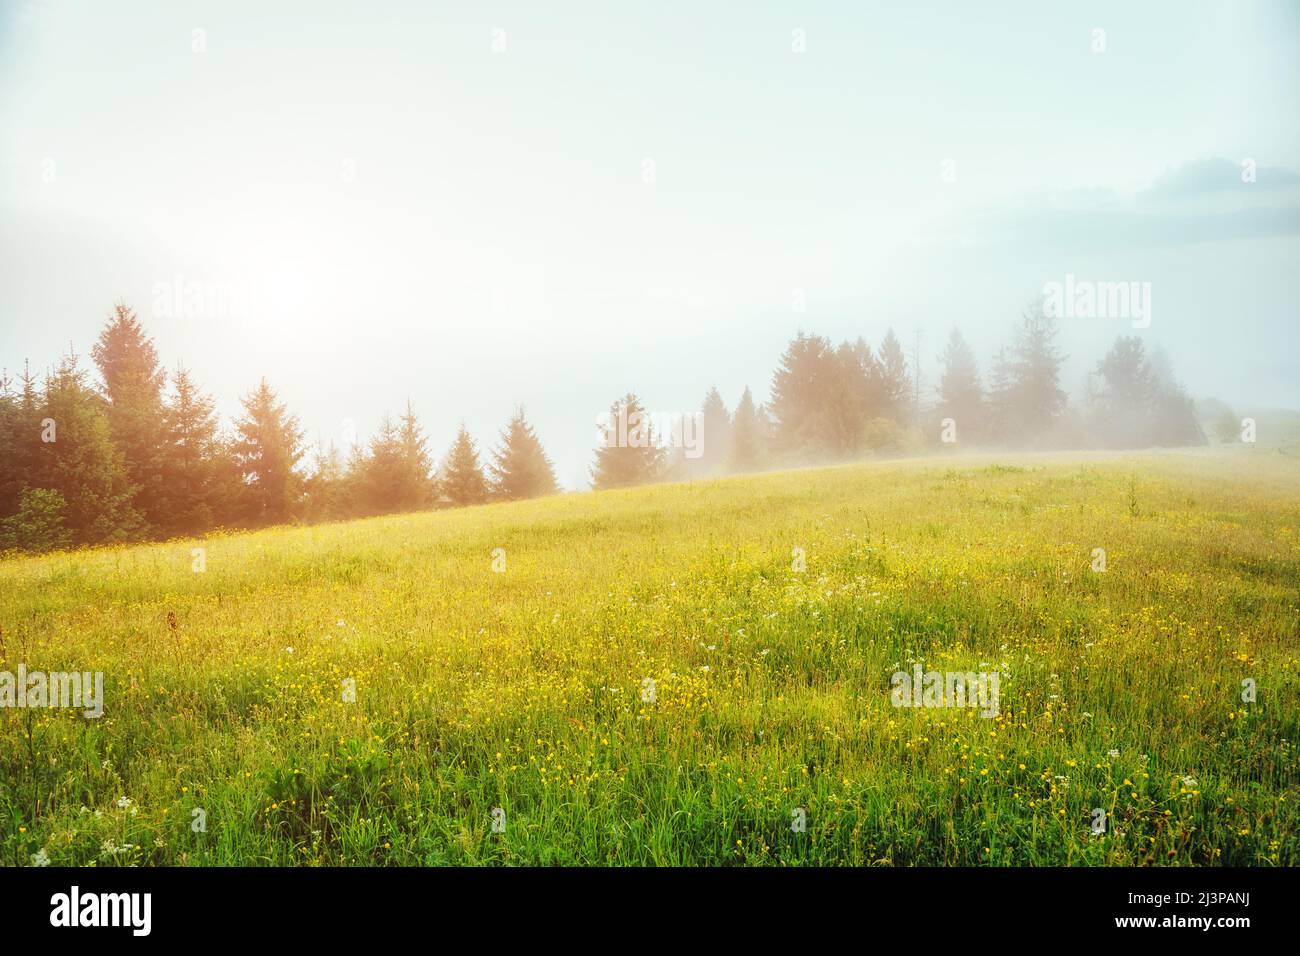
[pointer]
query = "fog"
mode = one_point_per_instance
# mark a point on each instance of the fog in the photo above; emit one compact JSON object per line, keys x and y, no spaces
{"x":484,"y":205}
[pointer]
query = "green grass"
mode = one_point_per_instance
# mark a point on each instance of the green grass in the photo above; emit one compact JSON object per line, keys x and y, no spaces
{"x":523,"y":690}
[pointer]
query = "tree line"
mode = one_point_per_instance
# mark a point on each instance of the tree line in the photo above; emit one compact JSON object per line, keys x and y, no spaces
{"x":841,"y":403}
{"x":141,"y":454}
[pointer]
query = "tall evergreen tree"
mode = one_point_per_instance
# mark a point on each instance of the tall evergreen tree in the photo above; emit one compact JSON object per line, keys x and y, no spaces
{"x":1036,"y":399}
{"x":463,"y":482}
{"x":854,"y":389}
{"x":20,"y":428}
{"x":133,"y":385}
{"x":417,"y":487}
{"x":896,"y":384}
{"x":629,"y":452}
{"x":76,"y":458}
{"x":747,"y":438}
{"x":803,"y":400}
{"x":714,"y":436}
{"x":1137,"y":405}
{"x":961,"y":397}
{"x":1001,"y":397}
{"x":520,"y":467}
{"x":394,"y":473}
{"x":199,"y":478}
{"x":267,"y":448}
{"x":326,"y":488}
{"x":380,"y":476}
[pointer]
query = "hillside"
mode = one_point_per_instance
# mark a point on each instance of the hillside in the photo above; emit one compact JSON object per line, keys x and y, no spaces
{"x":688,"y":674}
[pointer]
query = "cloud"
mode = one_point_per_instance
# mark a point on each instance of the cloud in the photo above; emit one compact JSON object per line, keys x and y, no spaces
{"x":1206,"y":176}
{"x":1203,"y":200}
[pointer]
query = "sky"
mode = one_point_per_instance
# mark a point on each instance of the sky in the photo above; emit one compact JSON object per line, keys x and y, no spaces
{"x":475,"y":206}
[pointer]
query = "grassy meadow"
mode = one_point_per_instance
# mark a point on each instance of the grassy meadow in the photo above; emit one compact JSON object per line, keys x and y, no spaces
{"x":514,"y":680}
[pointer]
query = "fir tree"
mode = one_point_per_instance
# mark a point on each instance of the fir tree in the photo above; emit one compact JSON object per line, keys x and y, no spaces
{"x":20,"y":429}
{"x":462,"y":481}
{"x":520,"y":467}
{"x":39,"y":525}
{"x":894,"y":378}
{"x":1036,"y":397}
{"x":133,"y":385}
{"x":267,"y":448}
{"x":416,"y":486}
{"x":76,"y":458}
{"x":629,"y":453}
{"x":199,"y":477}
{"x":961,"y":397}
{"x":803,"y":403}
{"x":746,"y":436}
{"x":715,"y":436}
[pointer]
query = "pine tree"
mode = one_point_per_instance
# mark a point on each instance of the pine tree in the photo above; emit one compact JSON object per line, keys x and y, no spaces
{"x":1000,"y":423}
{"x":714,"y":436}
{"x":198,"y":474}
{"x":629,"y":453}
{"x":38,"y":525}
{"x":895,"y":380}
{"x":850,"y":398}
{"x":746,"y":436}
{"x":326,"y":493}
{"x":268,"y":447}
{"x":462,"y":475}
{"x":416,"y":488}
{"x":380,"y":477}
{"x":803,"y":401}
{"x":520,"y":468}
{"x":1037,"y":399}
{"x":353,"y":488}
{"x":961,"y":397}
{"x":19,"y":437}
{"x":133,"y":384}
{"x":1139,"y":403}
{"x":76,"y":458}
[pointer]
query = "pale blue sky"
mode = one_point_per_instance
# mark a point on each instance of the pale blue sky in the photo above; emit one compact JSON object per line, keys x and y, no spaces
{"x":426,"y":217}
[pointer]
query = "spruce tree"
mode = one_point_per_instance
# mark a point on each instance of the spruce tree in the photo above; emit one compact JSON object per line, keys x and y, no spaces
{"x":1139,"y":402}
{"x":961,"y":397}
{"x":198,"y":474}
{"x":38,"y":525}
{"x":416,"y":486}
{"x":462,"y":481}
{"x":133,"y":383}
{"x":520,"y":467}
{"x":746,"y":436}
{"x":267,"y":448}
{"x":714,"y":435}
{"x":326,"y":488}
{"x":1000,"y":408}
{"x":380,"y":483}
{"x":629,"y":453}
{"x":1037,"y":399}
{"x":802,"y":401}
{"x":895,"y":380}
{"x":76,"y":457}
{"x":19,"y":437}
